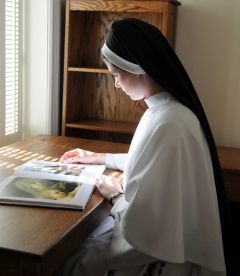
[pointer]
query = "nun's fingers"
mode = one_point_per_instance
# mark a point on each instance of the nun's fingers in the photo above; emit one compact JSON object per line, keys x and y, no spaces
{"x":107,"y":185}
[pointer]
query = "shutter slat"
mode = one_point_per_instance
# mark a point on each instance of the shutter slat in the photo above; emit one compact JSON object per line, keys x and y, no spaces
{"x":11,"y":64}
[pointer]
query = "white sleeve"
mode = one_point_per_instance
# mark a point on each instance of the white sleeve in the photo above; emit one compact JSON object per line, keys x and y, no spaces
{"x":116,"y":160}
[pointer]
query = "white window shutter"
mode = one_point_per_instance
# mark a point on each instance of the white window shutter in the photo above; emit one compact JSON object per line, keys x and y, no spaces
{"x":10,"y":71}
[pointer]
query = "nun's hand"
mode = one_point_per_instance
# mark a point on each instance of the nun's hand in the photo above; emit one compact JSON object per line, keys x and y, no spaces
{"x":77,"y":156}
{"x":108,"y":185}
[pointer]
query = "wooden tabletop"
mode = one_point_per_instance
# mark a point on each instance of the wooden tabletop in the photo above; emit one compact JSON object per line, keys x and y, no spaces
{"x":230,"y":163}
{"x":229,"y":159}
{"x":35,"y":240}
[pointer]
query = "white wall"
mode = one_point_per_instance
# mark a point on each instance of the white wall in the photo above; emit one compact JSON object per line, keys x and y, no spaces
{"x":36,"y":66}
{"x":42,"y":67}
{"x":208,"y":44}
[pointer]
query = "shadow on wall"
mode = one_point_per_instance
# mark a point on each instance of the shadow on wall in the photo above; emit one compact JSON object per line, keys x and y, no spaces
{"x":207,"y":42}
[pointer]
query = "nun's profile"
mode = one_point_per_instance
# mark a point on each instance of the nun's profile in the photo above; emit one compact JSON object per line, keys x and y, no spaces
{"x":170,"y":214}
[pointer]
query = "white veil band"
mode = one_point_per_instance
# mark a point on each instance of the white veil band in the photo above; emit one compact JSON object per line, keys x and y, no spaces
{"x":120,"y":62}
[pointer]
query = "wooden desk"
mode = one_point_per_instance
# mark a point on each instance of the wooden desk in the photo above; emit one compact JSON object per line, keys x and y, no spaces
{"x":230,"y":163}
{"x":34,"y":241}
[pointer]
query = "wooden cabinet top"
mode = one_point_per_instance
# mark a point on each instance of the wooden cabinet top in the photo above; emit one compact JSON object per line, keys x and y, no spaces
{"x":120,"y":5}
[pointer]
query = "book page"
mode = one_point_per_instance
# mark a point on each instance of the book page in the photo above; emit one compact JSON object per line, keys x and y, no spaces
{"x":52,"y":184}
{"x":55,"y":170}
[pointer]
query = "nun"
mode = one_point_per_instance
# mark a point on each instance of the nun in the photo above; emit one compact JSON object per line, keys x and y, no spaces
{"x":170,"y":214}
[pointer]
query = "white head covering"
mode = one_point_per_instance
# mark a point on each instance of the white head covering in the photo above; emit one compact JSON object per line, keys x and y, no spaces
{"x":120,"y":62}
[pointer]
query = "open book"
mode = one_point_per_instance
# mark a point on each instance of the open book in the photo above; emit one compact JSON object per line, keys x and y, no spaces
{"x":52,"y":184}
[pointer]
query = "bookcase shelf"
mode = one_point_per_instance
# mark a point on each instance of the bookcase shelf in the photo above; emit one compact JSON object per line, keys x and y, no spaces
{"x":88,"y":70}
{"x":90,"y":100}
{"x":104,"y":125}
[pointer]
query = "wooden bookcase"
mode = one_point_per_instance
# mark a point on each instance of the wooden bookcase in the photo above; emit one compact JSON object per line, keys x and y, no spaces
{"x":92,"y":106}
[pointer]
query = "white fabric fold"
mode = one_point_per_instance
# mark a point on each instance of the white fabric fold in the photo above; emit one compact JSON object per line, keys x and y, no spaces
{"x":116,"y":161}
{"x":172,"y":210}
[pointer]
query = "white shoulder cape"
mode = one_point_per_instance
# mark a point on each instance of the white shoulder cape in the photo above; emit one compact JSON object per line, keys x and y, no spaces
{"x":172,"y":210}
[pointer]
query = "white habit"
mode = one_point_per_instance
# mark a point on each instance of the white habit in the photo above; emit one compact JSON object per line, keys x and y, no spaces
{"x":170,"y":210}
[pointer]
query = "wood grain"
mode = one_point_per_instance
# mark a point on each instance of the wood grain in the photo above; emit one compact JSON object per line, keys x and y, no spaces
{"x":117,"y":5}
{"x":89,"y":92}
{"x":34,"y":241}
